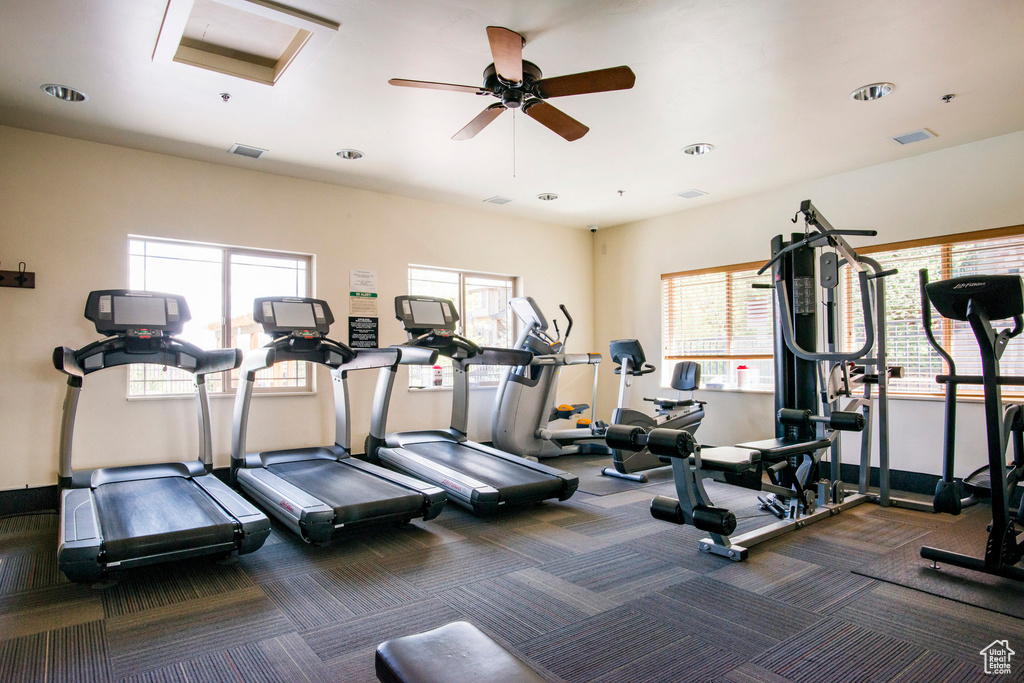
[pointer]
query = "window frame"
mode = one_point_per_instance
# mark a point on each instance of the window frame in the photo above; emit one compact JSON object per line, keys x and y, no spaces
{"x":228,"y":377}
{"x":513,"y":328}
{"x":728,"y":270}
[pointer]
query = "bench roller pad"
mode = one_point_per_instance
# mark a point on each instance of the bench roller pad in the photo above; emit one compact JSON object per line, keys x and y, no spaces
{"x":728,"y":458}
{"x":453,"y":653}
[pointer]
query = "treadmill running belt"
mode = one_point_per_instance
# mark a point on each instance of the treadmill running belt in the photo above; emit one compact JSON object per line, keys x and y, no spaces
{"x":513,"y":482}
{"x":152,"y":516}
{"x":355,"y":495}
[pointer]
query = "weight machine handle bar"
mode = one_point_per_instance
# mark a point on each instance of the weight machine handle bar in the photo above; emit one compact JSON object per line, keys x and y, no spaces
{"x":786,"y":322}
{"x":822,"y":234}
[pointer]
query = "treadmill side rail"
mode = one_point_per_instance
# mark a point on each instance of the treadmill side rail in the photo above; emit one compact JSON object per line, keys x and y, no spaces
{"x":310,"y":518}
{"x":460,"y":488}
{"x":79,"y":540}
{"x":434,"y":497}
{"x":255,"y":526}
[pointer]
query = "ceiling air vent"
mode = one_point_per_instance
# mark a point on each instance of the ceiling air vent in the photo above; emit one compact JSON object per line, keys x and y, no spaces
{"x":691,"y":194}
{"x":914,"y":136}
{"x":497,"y":200}
{"x":246,"y":151}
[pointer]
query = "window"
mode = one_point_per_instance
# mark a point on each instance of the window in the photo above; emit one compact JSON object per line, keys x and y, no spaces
{"x":219,"y":284}
{"x":484,"y":316}
{"x":999,"y":251}
{"x":715,"y":317}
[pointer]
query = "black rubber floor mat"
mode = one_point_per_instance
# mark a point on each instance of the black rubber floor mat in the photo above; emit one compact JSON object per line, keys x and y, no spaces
{"x":905,"y":567}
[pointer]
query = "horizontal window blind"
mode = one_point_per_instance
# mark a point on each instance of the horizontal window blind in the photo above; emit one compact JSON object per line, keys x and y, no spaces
{"x":993,"y":252}
{"x":715,"y":316}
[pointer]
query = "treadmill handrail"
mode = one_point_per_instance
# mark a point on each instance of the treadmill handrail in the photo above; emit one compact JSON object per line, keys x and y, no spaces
{"x":170,"y":350}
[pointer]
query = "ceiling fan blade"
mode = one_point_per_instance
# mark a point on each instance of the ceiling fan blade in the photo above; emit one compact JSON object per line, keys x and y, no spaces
{"x":507,"y":50}
{"x":555,"y":119}
{"x":472,"y":89}
{"x":480,"y":122}
{"x":602,"y":80}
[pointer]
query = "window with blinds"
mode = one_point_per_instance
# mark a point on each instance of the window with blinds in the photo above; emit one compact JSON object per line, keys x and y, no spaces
{"x":994,"y":252}
{"x":715,"y":317}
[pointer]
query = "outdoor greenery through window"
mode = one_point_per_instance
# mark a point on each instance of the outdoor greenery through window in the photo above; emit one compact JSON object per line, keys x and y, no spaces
{"x":219,"y":284}
{"x":484,"y":316}
{"x":991,"y":252}
{"x":715,"y":317}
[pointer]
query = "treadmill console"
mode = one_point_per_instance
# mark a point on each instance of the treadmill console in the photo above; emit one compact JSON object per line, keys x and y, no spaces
{"x":140,"y":315}
{"x":423,"y":313}
{"x":293,"y":316}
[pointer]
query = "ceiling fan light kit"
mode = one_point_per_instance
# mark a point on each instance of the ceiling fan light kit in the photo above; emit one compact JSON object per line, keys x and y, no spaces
{"x":518,"y":83}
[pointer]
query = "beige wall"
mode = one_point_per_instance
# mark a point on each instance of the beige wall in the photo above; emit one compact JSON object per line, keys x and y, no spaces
{"x":971,"y":187}
{"x":67,"y":208}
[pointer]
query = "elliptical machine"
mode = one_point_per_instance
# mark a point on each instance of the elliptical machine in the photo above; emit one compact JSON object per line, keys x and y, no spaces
{"x":524,"y":404}
{"x":980,"y":299}
{"x":677,"y":413}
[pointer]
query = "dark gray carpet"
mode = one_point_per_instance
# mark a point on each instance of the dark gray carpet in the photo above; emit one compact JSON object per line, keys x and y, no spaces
{"x":592,"y":589}
{"x":588,"y":469}
{"x":905,"y":566}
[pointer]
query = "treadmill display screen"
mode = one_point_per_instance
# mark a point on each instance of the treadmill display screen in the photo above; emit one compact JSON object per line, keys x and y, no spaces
{"x":427,"y":313}
{"x":294,"y":315}
{"x":140,"y":310}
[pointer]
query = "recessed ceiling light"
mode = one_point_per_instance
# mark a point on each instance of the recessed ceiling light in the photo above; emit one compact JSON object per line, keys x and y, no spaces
{"x":547,"y":196}
{"x":872,"y":91}
{"x":63,"y":92}
{"x":698,"y":148}
{"x":349,"y":154}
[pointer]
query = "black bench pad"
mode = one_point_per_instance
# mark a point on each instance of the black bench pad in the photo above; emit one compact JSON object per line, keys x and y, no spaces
{"x":777,"y":449}
{"x":453,"y":653}
{"x":729,"y":458}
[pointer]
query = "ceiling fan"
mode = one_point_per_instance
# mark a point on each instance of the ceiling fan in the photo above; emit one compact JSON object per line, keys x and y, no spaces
{"x":519,"y":83}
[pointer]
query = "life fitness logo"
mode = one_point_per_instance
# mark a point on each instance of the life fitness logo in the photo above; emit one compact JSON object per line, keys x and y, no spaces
{"x":448,"y":483}
{"x":996,"y":656}
{"x":286,"y":505}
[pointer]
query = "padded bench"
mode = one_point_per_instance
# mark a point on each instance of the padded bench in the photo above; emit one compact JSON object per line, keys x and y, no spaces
{"x":453,"y":653}
{"x":724,"y":458}
{"x":729,"y":458}
{"x":778,"y":448}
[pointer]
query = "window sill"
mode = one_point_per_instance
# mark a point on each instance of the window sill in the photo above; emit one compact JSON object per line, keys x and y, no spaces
{"x":417,"y":390}
{"x":218,"y":396}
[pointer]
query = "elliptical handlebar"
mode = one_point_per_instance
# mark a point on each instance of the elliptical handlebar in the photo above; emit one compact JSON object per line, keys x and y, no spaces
{"x":568,"y":317}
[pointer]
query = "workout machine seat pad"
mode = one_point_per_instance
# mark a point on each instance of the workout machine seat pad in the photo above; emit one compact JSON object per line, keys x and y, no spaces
{"x":453,"y":653}
{"x":777,"y":449}
{"x":513,"y":482}
{"x":354,"y":494}
{"x":728,"y":458}
{"x":153,"y":516}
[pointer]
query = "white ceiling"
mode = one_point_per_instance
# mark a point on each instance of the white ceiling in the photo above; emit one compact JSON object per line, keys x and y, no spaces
{"x":767,"y":82}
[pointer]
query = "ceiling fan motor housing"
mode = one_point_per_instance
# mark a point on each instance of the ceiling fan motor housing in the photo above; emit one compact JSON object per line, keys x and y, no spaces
{"x":513,"y":94}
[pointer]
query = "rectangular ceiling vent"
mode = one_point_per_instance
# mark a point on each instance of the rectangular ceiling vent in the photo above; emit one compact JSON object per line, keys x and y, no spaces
{"x":914,"y":136}
{"x":246,"y":151}
{"x":497,"y":200}
{"x":691,"y":194}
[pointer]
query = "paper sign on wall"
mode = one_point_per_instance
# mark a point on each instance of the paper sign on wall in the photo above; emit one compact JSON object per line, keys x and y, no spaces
{"x":362,"y":304}
{"x":362,"y":333}
{"x":363,"y":280}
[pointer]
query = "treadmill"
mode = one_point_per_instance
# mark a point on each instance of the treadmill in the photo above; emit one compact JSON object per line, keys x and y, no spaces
{"x":477,"y":477}
{"x":319,"y":491}
{"x":116,"y":518}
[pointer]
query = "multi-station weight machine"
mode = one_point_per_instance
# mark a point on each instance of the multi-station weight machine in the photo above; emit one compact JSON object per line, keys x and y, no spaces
{"x":812,"y":379}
